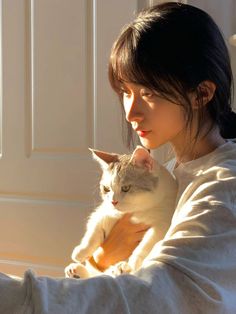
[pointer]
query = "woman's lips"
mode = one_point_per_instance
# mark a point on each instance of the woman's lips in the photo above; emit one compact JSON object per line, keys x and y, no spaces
{"x":143,"y":133}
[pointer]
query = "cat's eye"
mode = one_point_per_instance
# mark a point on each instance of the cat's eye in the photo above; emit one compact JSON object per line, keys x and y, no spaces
{"x":125,"y":188}
{"x":106,"y":189}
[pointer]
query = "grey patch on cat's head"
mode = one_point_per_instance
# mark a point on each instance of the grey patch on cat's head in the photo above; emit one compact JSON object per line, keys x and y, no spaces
{"x":125,"y":173}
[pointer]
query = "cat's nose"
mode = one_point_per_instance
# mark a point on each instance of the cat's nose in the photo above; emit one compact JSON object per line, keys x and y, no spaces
{"x":114,"y":202}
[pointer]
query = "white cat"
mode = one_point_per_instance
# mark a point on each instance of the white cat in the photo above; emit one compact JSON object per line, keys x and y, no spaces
{"x":134,"y":184}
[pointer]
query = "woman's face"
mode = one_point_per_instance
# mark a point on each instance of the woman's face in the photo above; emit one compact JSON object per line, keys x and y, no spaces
{"x":155,"y":119}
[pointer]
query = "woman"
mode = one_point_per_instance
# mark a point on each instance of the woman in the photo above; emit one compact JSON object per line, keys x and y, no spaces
{"x":171,"y":70}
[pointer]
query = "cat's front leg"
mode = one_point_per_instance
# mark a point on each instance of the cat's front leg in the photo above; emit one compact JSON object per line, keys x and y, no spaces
{"x":98,"y":227}
{"x":93,"y":237}
{"x":143,"y":249}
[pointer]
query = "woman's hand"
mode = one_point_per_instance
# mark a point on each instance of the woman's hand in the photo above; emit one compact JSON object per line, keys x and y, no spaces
{"x":120,"y":243}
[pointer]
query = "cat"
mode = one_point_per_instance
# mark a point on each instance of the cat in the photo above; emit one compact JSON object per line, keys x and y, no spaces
{"x":134,"y":184}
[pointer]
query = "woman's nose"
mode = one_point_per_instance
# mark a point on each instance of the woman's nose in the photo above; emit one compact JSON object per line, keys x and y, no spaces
{"x":132,"y":110}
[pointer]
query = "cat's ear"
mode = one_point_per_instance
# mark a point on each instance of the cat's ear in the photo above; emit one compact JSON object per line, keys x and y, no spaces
{"x":142,"y":158}
{"x":103,"y":158}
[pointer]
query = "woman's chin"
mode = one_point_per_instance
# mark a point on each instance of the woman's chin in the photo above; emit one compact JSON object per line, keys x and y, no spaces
{"x":148,"y":144}
{"x":145,"y":143}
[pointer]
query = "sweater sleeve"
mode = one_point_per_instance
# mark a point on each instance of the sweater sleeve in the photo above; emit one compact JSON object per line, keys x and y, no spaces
{"x":159,"y":288}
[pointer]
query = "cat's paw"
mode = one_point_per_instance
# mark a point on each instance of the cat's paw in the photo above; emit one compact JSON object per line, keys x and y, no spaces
{"x":119,"y":269}
{"x":70,"y":270}
{"x":76,"y":270}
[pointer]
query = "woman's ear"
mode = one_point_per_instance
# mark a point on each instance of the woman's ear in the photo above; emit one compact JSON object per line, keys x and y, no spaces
{"x":205,"y":93}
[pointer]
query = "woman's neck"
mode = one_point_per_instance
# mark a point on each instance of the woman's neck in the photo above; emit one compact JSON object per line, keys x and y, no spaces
{"x":185,"y":151}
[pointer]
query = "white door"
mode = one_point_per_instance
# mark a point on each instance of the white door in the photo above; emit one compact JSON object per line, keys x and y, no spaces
{"x":55,"y":103}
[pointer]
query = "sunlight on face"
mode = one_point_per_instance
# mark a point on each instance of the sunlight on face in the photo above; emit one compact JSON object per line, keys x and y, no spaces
{"x":155,"y":119}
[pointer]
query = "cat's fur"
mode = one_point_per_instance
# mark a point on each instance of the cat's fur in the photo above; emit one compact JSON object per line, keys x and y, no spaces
{"x":140,"y":186}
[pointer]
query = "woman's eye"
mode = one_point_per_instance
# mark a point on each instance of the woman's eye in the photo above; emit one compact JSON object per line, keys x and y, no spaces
{"x":125,"y":92}
{"x":106,"y":189}
{"x":125,"y":188}
{"x":147,"y":93}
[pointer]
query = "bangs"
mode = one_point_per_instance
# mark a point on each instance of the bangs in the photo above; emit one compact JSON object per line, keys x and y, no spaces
{"x":123,"y":66}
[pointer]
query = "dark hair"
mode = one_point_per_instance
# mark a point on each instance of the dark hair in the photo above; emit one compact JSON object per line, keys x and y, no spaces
{"x":171,"y":48}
